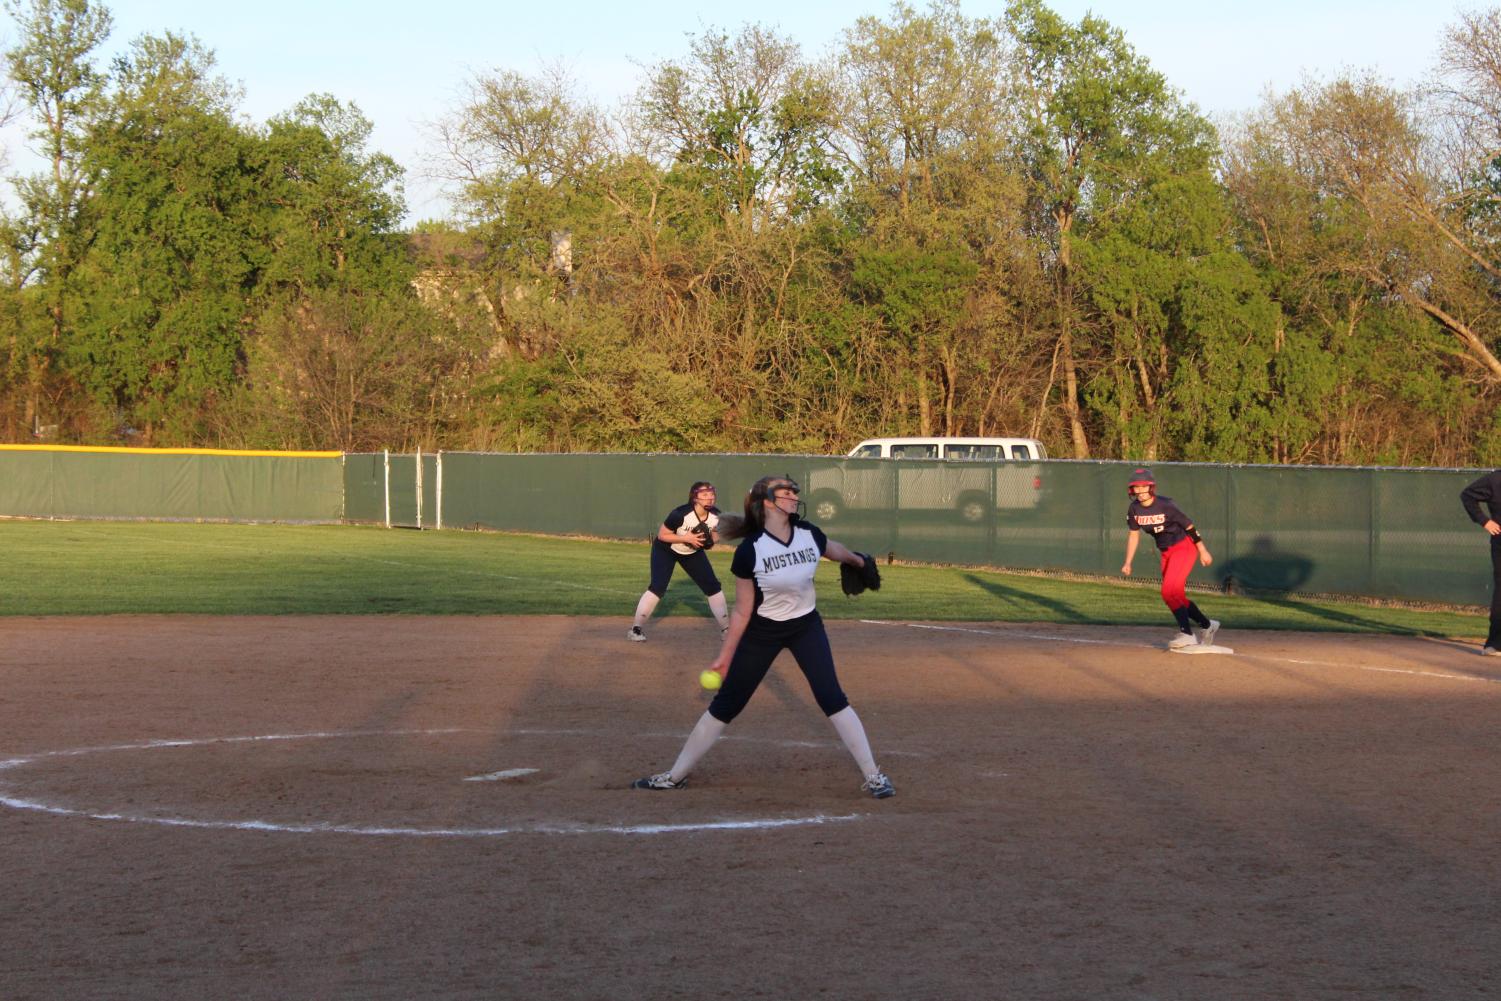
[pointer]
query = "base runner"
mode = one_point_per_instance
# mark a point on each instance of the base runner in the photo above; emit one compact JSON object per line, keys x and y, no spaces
{"x":1178,"y":541}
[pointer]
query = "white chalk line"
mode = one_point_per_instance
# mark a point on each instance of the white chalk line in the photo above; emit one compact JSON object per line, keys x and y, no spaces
{"x":39,"y":806}
{"x":429,"y":832}
{"x":1054,"y":638}
{"x":509,"y":773}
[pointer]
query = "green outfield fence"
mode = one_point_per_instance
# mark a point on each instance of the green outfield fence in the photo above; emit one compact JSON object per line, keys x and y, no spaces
{"x":1384,"y":533}
{"x":182,"y":484}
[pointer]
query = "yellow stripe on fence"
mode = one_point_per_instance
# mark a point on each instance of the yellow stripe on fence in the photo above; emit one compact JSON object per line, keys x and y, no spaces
{"x":167,"y":451}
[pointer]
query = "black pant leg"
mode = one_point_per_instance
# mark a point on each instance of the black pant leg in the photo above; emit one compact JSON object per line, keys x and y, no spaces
{"x":1494,"y":639}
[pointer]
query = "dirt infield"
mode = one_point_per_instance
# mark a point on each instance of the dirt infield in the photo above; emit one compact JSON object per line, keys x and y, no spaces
{"x":392,"y":807}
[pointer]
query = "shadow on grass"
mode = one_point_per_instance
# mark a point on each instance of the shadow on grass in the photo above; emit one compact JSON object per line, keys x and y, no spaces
{"x":1340,"y":616}
{"x":1019,"y":599}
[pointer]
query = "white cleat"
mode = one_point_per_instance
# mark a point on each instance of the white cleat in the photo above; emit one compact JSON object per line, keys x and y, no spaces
{"x":636,"y":635}
{"x":1205,"y":634}
{"x":1181,"y":640}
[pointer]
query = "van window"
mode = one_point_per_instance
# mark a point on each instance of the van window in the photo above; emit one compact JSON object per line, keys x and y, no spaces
{"x":867,"y":452}
{"x":1021,"y":451}
{"x":915,"y":450}
{"x":969,"y":451}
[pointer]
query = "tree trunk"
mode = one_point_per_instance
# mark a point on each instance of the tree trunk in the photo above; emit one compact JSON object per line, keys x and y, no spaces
{"x":924,"y":407}
{"x":1064,"y":218}
{"x":1071,"y":393}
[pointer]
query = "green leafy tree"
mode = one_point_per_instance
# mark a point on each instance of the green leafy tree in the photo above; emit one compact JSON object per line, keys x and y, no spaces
{"x":338,"y":203}
{"x":1345,"y":216}
{"x":53,"y":67}
{"x":1095,"y":124}
{"x":175,"y":255}
{"x":919,"y":294}
{"x":923,"y":122}
{"x":357,"y":370}
{"x":1188,"y":326}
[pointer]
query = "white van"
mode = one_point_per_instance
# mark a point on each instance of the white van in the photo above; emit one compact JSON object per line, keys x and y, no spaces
{"x":949,"y":448}
{"x":971,"y":477}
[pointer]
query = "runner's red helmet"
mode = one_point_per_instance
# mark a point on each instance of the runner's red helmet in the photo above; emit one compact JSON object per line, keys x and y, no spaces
{"x":1140,"y":476}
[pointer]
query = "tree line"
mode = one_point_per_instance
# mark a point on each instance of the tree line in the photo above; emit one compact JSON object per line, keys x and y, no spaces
{"x":947,"y":225}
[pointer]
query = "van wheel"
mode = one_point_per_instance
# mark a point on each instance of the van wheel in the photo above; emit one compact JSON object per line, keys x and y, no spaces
{"x":825,"y":506}
{"x":974,"y":508}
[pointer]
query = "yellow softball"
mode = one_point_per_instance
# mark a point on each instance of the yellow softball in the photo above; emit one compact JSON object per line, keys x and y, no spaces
{"x":710,"y":680}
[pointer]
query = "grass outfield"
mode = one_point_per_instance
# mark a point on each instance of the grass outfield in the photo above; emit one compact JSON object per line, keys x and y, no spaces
{"x":106,"y":568}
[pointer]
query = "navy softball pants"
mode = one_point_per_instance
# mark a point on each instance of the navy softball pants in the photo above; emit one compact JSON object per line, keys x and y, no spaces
{"x":695,"y":564}
{"x":763,"y":640}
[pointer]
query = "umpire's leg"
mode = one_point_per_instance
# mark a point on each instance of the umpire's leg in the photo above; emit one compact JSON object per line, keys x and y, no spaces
{"x":1494,"y":639}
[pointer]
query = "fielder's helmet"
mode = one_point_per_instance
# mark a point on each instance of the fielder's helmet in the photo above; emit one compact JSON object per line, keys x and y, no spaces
{"x":1139,"y":476}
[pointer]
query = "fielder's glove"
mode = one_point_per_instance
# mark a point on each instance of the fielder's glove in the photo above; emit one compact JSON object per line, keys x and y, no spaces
{"x":857,"y":580}
{"x":705,"y":536}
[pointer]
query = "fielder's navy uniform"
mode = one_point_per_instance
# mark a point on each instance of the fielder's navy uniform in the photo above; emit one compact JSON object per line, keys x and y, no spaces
{"x":784,"y":618}
{"x":1487,"y":491}
{"x":666,"y":557}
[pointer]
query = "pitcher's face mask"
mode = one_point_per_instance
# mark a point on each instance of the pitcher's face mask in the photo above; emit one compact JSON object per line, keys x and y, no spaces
{"x":785,"y":497}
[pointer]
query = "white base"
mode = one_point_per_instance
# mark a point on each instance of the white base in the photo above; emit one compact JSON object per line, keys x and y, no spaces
{"x":1203,"y":648}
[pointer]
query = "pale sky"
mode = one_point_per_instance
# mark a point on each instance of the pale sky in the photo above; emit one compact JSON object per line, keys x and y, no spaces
{"x":405,"y":64}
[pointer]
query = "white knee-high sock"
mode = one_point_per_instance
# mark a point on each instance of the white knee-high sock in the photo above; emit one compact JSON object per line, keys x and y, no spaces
{"x":720,"y":609}
{"x":704,"y":734}
{"x":645,"y":607}
{"x":852,"y":732}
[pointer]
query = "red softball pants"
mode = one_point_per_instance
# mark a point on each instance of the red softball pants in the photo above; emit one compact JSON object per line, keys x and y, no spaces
{"x":1177,"y":563}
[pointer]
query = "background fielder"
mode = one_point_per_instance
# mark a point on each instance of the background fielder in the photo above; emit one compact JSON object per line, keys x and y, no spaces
{"x":684,"y":534}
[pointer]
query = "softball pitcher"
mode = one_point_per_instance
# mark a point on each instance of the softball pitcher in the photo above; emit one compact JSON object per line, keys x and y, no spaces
{"x":774,"y":611}
{"x":1177,"y":541}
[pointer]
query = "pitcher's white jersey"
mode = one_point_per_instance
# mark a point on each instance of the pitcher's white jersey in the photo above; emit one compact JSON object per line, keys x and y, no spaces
{"x":782,"y":571}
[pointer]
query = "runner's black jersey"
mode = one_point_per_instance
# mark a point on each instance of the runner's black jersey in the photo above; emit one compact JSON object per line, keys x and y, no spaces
{"x":782,"y":571}
{"x":1167,"y":525}
{"x":683,"y":516}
